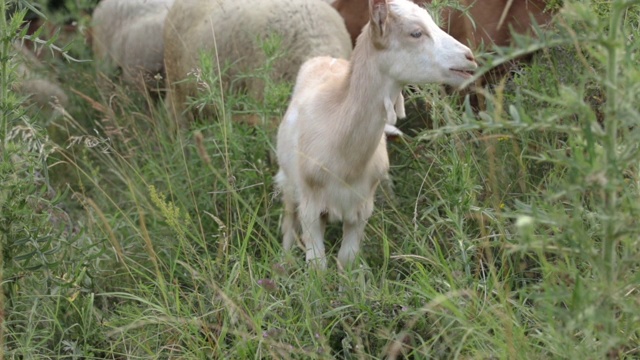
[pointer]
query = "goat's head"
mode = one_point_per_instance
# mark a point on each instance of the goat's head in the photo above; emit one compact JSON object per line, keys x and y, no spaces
{"x":413,"y":49}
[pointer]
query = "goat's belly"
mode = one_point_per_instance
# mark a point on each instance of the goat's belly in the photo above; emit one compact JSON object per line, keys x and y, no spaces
{"x":345,"y":202}
{"x":349,"y":205}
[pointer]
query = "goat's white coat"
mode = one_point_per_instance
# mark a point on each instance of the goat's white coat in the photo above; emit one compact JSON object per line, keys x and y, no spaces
{"x":331,"y":145}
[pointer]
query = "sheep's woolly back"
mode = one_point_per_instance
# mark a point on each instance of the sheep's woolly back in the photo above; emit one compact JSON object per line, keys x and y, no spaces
{"x":128,"y":34}
{"x":42,"y":93}
{"x":306,"y":28}
{"x":34,"y":82}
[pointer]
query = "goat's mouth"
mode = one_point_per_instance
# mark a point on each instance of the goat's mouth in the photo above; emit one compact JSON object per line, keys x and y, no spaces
{"x":463,"y":72}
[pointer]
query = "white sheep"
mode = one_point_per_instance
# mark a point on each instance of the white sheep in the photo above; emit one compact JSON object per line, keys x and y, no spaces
{"x":33,"y":82}
{"x":330,"y":147}
{"x":230,"y":31}
{"x":128,"y":34}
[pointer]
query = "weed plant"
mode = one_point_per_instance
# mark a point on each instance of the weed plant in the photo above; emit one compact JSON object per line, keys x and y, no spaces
{"x":511,"y":233}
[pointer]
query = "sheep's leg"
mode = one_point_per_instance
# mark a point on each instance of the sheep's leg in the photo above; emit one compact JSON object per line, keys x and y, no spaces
{"x":313,"y":225}
{"x":352,"y":233}
{"x":399,"y":107}
{"x":392,"y":131}
{"x":389,"y":107}
{"x":395,"y":111}
{"x":290,"y":222}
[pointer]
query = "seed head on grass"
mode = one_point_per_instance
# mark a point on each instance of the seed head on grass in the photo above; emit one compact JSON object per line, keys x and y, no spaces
{"x":172,"y":214}
{"x":279,"y":269}
{"x":268,"y":284}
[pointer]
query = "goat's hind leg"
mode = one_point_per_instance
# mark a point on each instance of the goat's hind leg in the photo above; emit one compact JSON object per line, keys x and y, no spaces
{"x":290,"y":222}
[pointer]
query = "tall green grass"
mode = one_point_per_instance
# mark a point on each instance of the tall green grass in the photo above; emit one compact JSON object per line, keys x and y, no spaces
{"x":511,"y":233}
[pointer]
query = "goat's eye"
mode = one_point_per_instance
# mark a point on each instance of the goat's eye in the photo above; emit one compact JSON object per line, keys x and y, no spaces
{"x":416,"y":34}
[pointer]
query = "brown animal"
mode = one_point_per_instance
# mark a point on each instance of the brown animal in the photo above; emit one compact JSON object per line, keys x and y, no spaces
{"x":482,"y":24}
{"x":492,"y":19}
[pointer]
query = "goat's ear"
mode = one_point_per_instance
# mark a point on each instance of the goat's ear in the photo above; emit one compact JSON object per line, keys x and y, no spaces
{"x":379,"y":11}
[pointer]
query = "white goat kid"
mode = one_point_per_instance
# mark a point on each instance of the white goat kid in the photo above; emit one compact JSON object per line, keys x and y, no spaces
{"x":331,"y":145}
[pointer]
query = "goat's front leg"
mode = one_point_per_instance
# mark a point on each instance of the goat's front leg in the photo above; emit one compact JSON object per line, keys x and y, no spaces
{"x":352,"y":233}
{"x":313,"y":226}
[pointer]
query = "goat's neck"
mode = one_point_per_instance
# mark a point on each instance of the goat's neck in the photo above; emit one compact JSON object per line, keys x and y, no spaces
{"x":365,"y":91}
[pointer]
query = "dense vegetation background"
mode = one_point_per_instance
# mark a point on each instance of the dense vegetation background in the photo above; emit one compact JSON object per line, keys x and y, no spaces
{"x":511,"y":233}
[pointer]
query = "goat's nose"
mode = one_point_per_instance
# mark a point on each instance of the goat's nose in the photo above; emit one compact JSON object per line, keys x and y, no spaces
{"x":469,"y":56}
